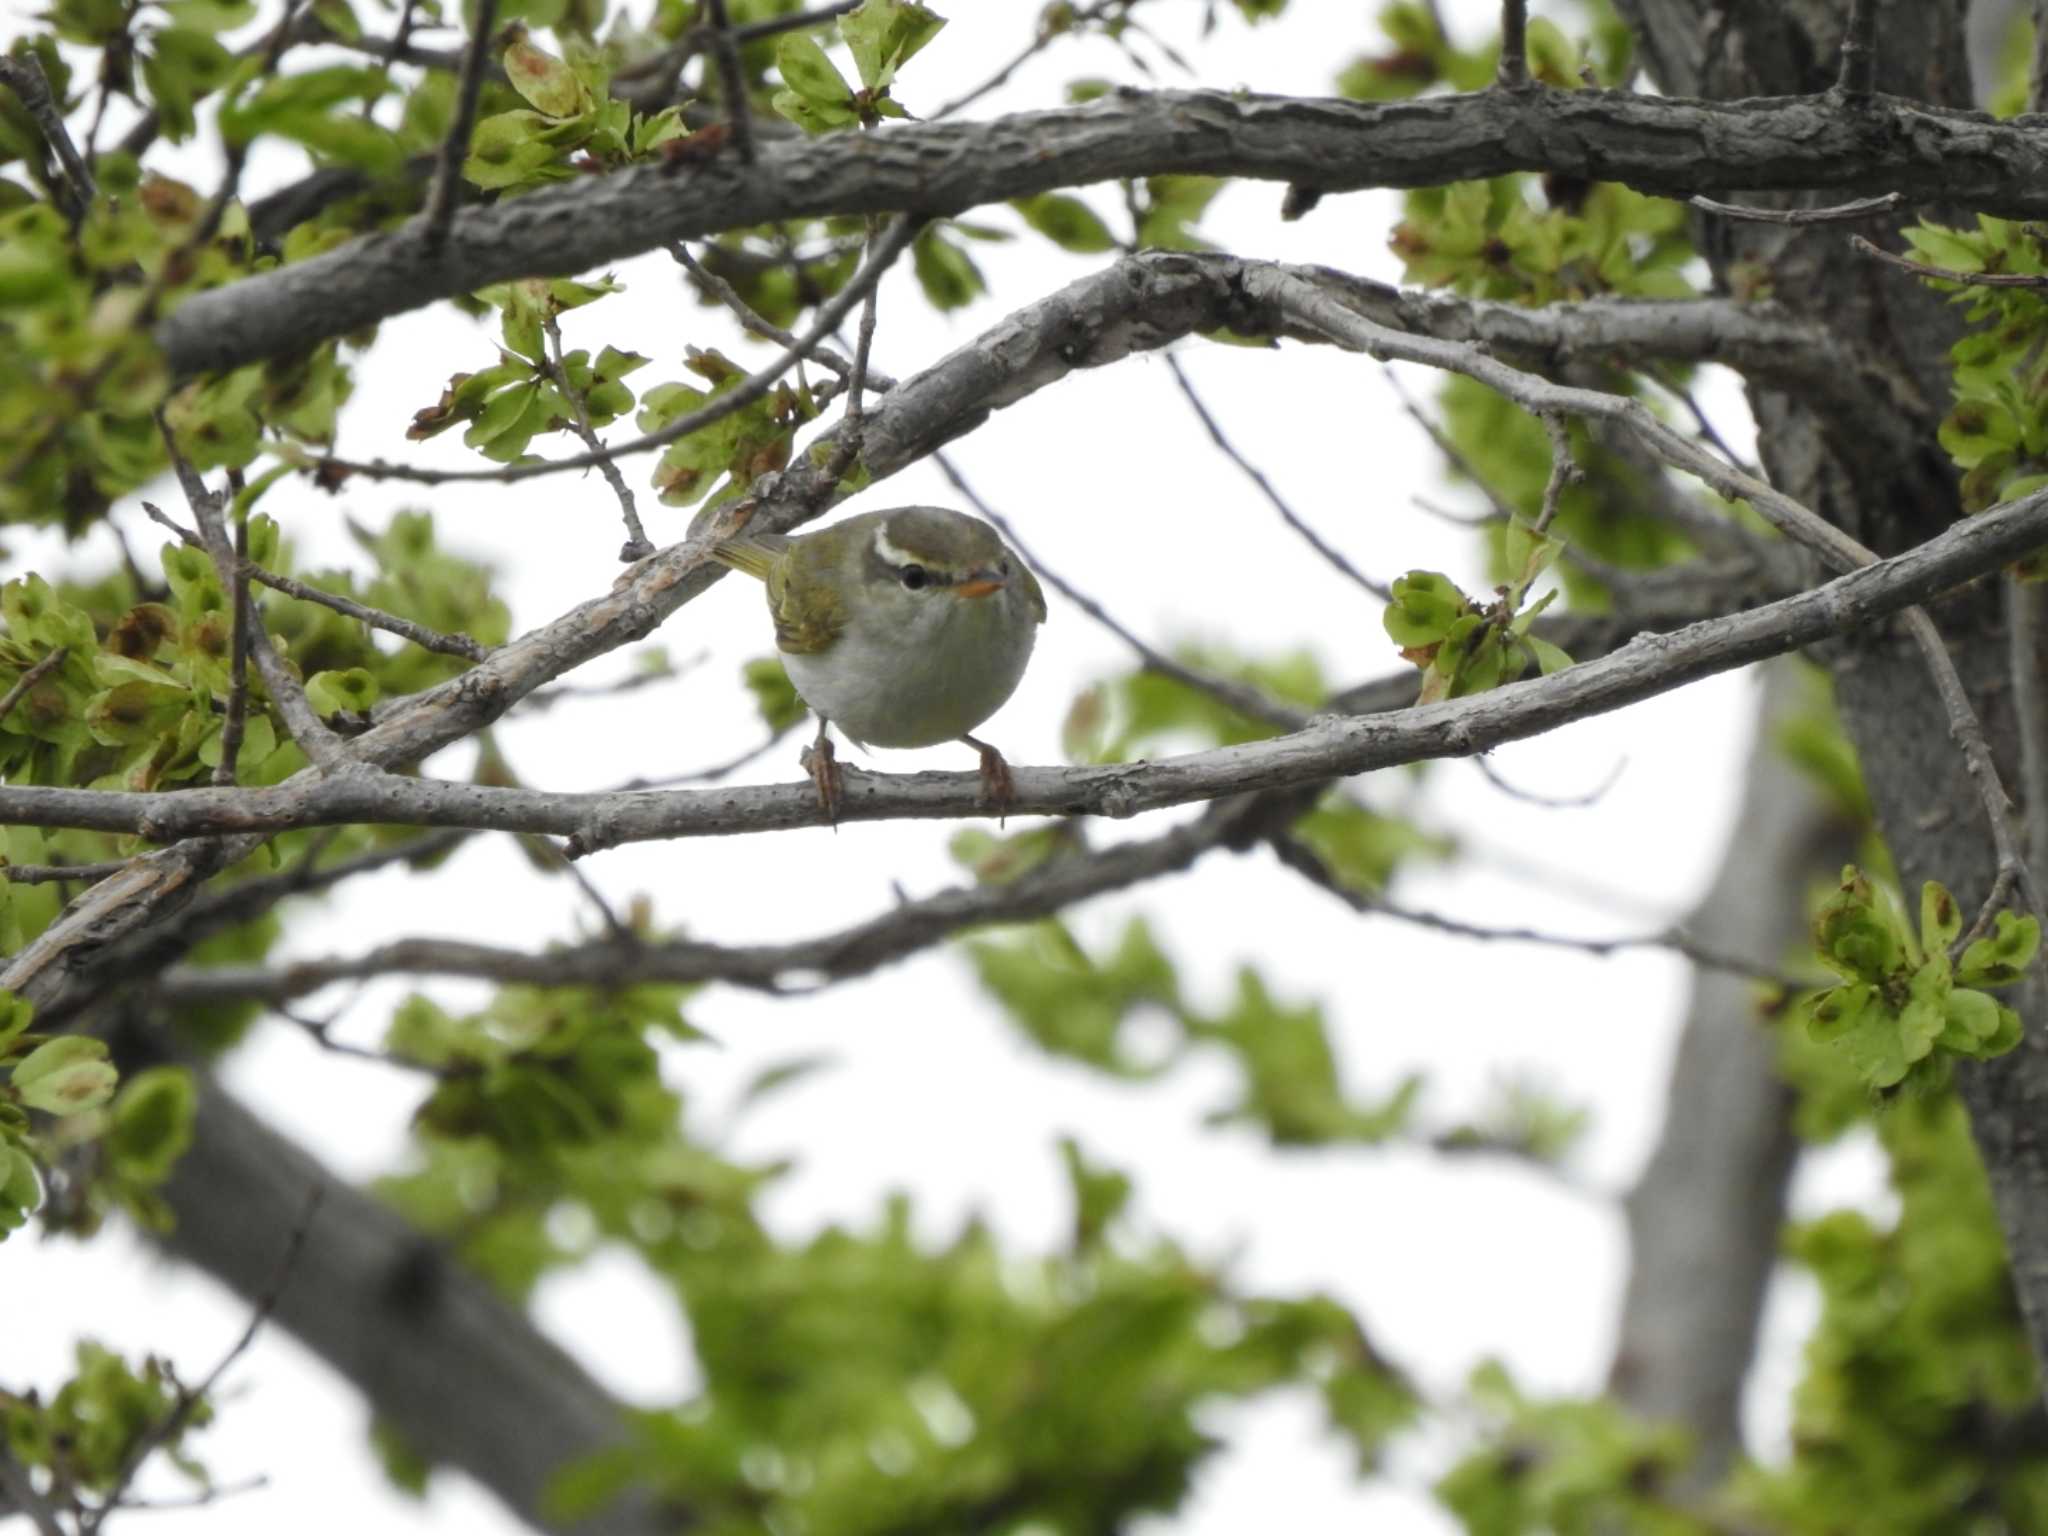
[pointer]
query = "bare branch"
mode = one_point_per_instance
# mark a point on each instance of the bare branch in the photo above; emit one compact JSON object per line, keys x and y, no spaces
{"x":1304,"y":861}
{"x":1859,"y":50}
{"x":1839,"y":213}
{"x":2024,"y":602}
{"x":1252,"y":472}
{"x":637,"y":545}
{"x":887,"y":249}
{"x":1578,"y":802}
{"x":23,"y":74}
{"x":289,"y":695}
{"x":440,"y":213}
{"x":1327,"y":747}
{"x":718,"y":288}
{"x":2037,"y":74}
{"x":1140,"y":302}
{"x":238,"y":655}
{"x":1513,"y":74}
{"x":55,"y":874}
{"x":802,"y":966}
{"x":1962,"y":160}
{"x":21,"y":1493}
{"x":190,"y":1399}
{"x":1315,"y":306}
{"x":421,"y":636}
{"x":1949,"y":274}
{"x":732,"y":80}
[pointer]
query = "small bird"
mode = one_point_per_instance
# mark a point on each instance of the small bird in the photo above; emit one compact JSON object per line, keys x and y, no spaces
{"x":904,"y":628}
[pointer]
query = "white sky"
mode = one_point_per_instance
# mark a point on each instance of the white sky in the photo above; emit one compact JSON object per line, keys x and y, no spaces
{"x":1109,"y":479}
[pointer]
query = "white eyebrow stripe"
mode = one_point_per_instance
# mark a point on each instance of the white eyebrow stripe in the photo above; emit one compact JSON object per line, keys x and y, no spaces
{"x":892,"y":554}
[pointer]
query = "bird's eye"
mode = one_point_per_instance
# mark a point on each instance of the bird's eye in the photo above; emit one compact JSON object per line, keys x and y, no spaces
{"x":914,"y":577}
{"x":1002,"y":567}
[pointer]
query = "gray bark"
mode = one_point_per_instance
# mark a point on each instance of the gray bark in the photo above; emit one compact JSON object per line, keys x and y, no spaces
{"x":1670,"y":147}
{"x":464,"y":1378}
{"x":1703,"y":1219}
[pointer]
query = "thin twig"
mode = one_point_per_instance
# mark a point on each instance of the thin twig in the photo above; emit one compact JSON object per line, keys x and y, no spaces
{"x":312,"y":734}
{"x":393,"y":48}
{"x":21,"y":1492}
{"x":321,"y":1033}
{"x":23,"y":74}
{"x":2023,"y":610}
{"x":1315,"y":541}
{"x":1316,"y":307}
{"x":1579,"y":802}
{"x":732,"y":80}
{"x":1839,"y":213}
{"x":455,"y":147}
{"x":756,"y":385}
{"x":29,"y":679}
{"x":1513,"y":74}
{"x":1564,"y":471}
{"x":693,"y":42}
{"x":1304,"y":861}
{"x":718,"y":288}
{"x":1250,"y":702}
{"x":2037,"y":75}
{"x":637,"y":546}
{"x":55,"y":874}
{"x":1040,"y":40}
{"x":238,"y":664}
{"x":1949,"y":274}
{"x":190,"y":1399}
{"x":1859,"y":50}
{"x":421,"y":636}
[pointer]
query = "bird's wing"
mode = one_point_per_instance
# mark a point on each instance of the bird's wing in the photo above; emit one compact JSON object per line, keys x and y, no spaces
{"x":803,"y":593}
{"x":757,"y":556}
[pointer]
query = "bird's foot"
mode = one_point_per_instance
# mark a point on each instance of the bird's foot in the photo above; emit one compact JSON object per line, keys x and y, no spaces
{"x":821,"y":762}
{"x":998,"y":789}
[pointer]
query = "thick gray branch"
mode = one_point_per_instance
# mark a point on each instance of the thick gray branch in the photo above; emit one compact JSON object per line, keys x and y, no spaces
{"x":1332,"y":746}
{"x":464,"y":1378}
{"x":1670,"y":147}
{"x":1703,"y":1220}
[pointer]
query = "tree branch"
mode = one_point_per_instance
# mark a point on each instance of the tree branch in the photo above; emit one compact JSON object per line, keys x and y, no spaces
{"x":1328,"y":747}
{"x":464,"y":1379}
{"x":802,"y":966}
{"x":433,"y":227}
{"x":1660,"y":146}
{"x":1138,"y":303}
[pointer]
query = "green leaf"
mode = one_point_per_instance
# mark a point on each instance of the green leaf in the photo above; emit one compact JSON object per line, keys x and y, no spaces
{"x":2003,"y":957}
{"x":775,"y":696}
{"x":16,"y":1014}
{"x":349,"y":692}
{"x":946,"y":272}
{"x":1941,"y":921}
{"x":1066,"y":221}
{"x":883,"y":35}
{"x":151,"y":1123}
{"x":548,"y":85}
{"x":66,"y":1076}
{"x":1426,"y":604}
{"x":811,"y":75}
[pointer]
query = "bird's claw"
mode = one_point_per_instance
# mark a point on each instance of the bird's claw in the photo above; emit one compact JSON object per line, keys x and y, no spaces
{"x":821,"y":762}
{"x":998,"y":788}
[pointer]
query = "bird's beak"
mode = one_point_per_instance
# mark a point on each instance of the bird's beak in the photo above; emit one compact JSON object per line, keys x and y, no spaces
{"x":980,"y":584}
